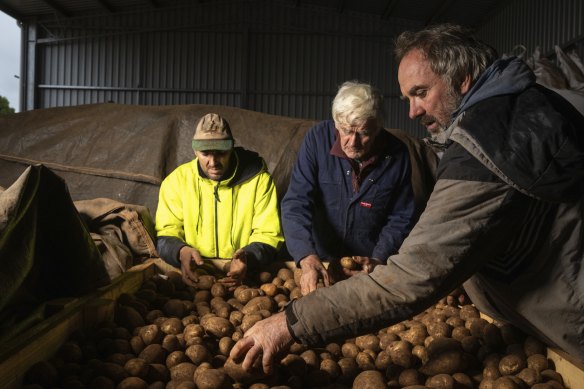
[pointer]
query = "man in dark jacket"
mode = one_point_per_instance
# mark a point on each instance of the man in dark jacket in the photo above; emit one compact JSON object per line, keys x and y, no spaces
{"x":350,"y":192}
{"x":505,"y":216}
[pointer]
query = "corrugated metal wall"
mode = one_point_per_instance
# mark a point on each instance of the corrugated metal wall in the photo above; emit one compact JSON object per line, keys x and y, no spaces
{"x":537,"y":23}
{"x":267,"y":56}
{"x":274,"y":58}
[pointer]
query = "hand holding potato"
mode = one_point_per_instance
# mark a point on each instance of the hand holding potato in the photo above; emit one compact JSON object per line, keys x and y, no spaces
{"x":187,"y":255}
{"x":267,"y":339}
{"x":357,"y":264}
{"x":312,"y":267}
{"x":237,"y":270}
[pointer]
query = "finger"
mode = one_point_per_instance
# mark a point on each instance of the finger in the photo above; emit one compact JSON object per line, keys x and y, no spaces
{"x":325,"y":277}
{"x":187,"y":280}
{"x":267,"y":363}
{"x":241,"y":348}
{"x":253,"y":353}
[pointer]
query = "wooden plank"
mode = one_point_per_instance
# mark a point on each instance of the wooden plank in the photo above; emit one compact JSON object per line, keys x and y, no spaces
{"x":571,"y":369}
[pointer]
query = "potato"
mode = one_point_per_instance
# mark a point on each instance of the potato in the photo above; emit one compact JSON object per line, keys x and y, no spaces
{"x":133,"y":383}
{"x":512,"y":364}
{"x":176,"y":357}
{"x":193,"y":331}
{"x":153,"y":353}
{"x":532,"y":346}
{"x":349,"y":350}
{"x":334,"y":349}
{"x":112,"y":371}
{"x":491,"y":372}
{"x":285,"y":274}
{"x":529,"y":376}
{"x":441,"y":381}
{"x":128,"y":317}
{"x":202,"y":296}
{"x":174,"y":308}
{"x":370,"y":379}
{"x":506,"y":383}
{"x":101,"y":382}
{"x":151,"y":316}
{"x":459,"y":333}
{"x":205,"y":282}
{"x":400,"y":352}
{"x":259,"y":303}
{"x":475,"y":325}
{"x":444,"y":357}
{"x":310,"y":358}
{"x":294,"y":365}
{"x":349,"y":367}
{"x":238,"y":374}
{"x":183,"y":372}
{"x":244,"y":294}
{"x":537,"y":362}
{"x":150,"y":334}
{"x":420,"y":353}
{"x":212,"y":379}
{"x":463,"y":381}
{"x":249,"y":320}
{"x":410,"y":377}
{"x":198,"y":354}
{"x":171,"y":343}
{"x":289,"y":285}
{"x":269,"y":289}
{"x":172,"y":326}
{"x":415,"y":335}
{"x":217,"y":326}
{"x":137,"y":367}
{"x":368,"y":342}
{"x":365,"y":361}
{"x":137,"y":344}
{"x":218,"y":290}
{"x":492,"y":336}
{"x":383,"y":360}
{"x":348,"y":263}
{"x":468,"y":311}
{"x":551,"y":375}
{"x":439,"y":329}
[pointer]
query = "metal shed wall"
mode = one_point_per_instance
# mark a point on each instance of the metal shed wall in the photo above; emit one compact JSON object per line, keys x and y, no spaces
{"x":537,"y":23}
{"x":277,"y":59}
{"x":268,"y":56}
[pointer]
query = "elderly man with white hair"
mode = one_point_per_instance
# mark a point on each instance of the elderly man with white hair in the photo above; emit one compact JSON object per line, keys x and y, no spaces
{"x":350,"y":192}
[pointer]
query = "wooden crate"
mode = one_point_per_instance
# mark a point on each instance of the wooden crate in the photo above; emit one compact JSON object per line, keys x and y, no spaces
{"x":43,"y":340}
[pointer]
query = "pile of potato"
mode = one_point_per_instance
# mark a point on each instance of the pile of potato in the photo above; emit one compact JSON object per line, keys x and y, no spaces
{"x":168,"y":335}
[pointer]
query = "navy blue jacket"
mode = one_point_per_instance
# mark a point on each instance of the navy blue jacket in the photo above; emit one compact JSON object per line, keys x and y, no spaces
{"x":321,"y":214}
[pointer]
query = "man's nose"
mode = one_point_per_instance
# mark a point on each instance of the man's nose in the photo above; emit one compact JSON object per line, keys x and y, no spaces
{"x":416,"y":110}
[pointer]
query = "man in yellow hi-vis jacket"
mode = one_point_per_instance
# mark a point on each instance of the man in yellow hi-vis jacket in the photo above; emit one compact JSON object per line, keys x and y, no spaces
{"x":222,"y":204}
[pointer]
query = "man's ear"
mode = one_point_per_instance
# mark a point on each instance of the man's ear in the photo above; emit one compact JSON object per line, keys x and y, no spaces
{"x":465,"y":86}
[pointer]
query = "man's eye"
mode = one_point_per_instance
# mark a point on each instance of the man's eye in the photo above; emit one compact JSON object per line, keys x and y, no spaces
{"x":422,"y":93}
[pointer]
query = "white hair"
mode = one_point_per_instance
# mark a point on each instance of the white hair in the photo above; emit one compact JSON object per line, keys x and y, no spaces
{"x":356,"y":103}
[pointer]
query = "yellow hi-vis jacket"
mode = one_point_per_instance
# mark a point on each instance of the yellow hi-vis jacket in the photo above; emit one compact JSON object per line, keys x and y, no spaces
{"x":217,"y":218}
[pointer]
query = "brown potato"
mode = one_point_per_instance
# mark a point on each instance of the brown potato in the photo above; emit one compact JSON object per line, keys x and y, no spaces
{"x":512,"y":364}
{"x":285,"y":274}
{"x":217,"y":326}
{"x":238,"y":374}
{"x":365,"y":361}
{"x":269,"y":289}
{"x":410,"y":377}
{"x":151,"y":334}
{"x":132,"y":383}
{"x":174,"y":308}
{"x":176,"y":357}
{"x":172,"y":326}
{"x":198,"y":354}
{"x":212,"y":379}
{"x":249,"y":320}
{"x":400,"y":352}
{"x":441,"y":381}
{"x":537,"y":362}
{"x":445,"y":356}
{"x":370,"y":379}
{"x":349,"y":350}
{"x":183,"y":372}
{"x":137,"y":367}
{"x":349,"y":264}
{"x":368,"y":342}
{"x":128,"y":317}
{"x":205,"y":282}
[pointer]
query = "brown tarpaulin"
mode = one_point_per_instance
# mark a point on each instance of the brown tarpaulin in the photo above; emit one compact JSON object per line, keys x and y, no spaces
{"x":123,"y":152}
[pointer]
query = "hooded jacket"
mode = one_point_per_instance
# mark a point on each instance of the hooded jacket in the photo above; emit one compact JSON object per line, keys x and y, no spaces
{"x":505,"y":216}
{"x":219,"y":217}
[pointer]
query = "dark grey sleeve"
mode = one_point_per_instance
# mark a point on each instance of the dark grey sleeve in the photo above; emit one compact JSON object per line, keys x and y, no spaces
{"x":259,"y":255}
{"x":168,"y":248}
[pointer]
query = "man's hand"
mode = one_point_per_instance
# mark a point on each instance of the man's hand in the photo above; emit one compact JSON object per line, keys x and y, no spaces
{"x":187,"y":255}
{"x":367,"y":265}
{"x":312,"y":267}
{"x":237,"y":270}
{"x":267,"y":339}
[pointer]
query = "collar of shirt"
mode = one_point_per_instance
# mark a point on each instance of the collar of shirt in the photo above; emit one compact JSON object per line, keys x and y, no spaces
{"x":360,"y":169}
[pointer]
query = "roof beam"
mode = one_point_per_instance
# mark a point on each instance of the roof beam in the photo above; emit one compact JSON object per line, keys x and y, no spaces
{"x":58,"y":8}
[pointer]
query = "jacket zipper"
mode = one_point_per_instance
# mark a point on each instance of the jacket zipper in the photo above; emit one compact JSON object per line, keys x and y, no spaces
{"x":216,"y":193}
